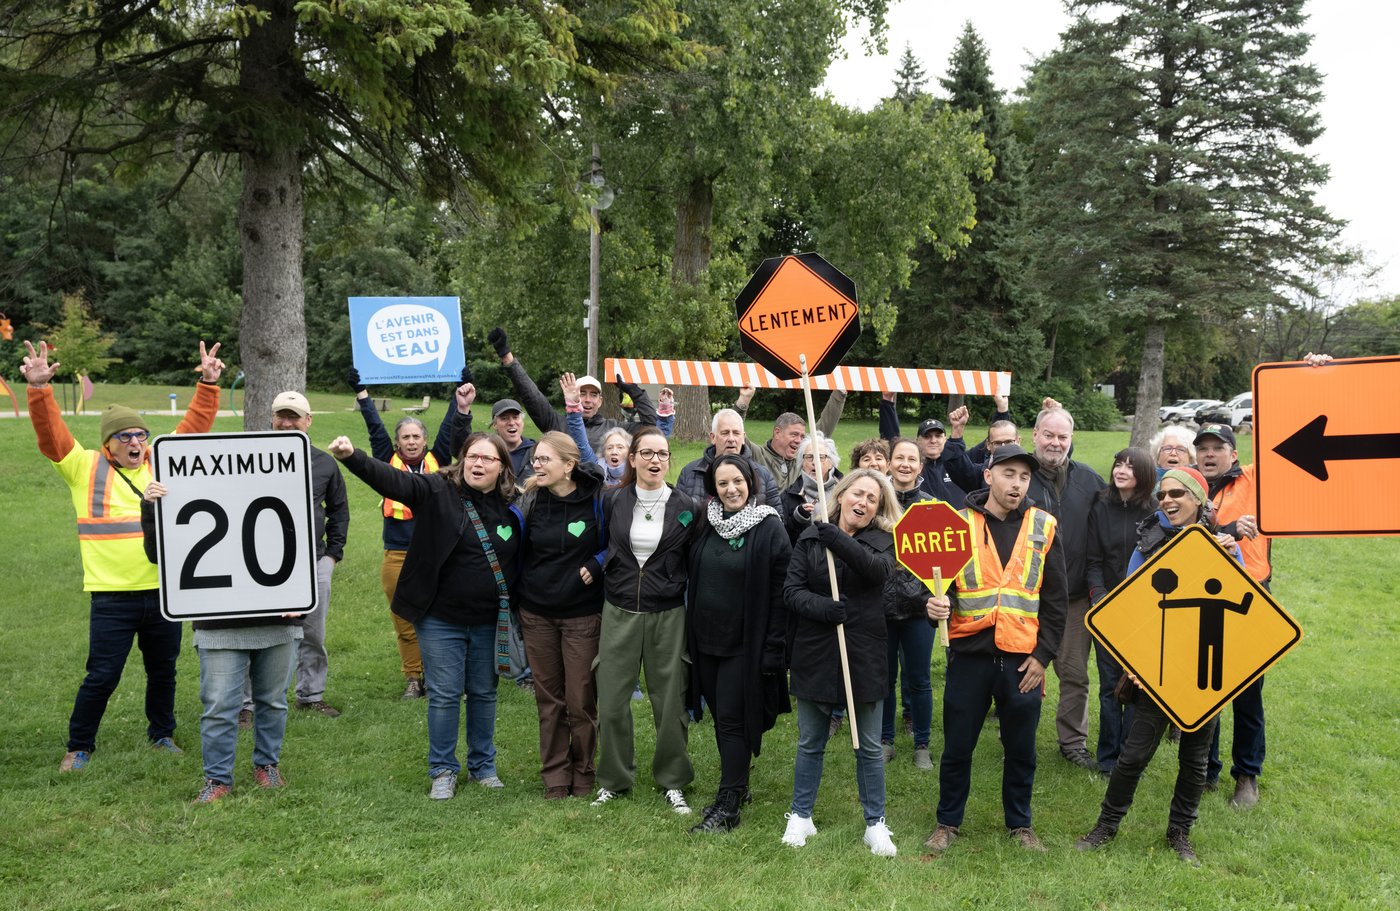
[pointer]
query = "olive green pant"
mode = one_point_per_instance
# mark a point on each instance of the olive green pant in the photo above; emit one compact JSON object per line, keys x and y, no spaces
{"x":628,"y":643}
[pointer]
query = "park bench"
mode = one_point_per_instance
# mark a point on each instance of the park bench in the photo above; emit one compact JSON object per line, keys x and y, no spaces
{"x":419,"y":408}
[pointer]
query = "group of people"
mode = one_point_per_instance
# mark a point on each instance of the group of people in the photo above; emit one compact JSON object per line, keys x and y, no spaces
{"x":763,"y":575}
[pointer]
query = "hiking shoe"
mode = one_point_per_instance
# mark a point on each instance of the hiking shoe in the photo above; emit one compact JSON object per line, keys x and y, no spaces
{"x":1180,"y":842}
{"x":74,"y":761}
{"x":321,"y":707}
{"x":414,"y":689}
{"x":1081,"y":758}
{"x":923,"y":759}
{"x":676,"y":799}
{"x":1213,"y":784}
{"x":444,"y":786}
{"x":1246,"y":792}
{"x":166,"y":745}
{"x":942,"y":837}
{"x":490,"y":782}
{"x":1025,"y":837}
{"x":268,"y":777}
{"x":212,"y":791}
{"x":1098,"y":836}
{"x":245,"y":719}
{"x":556,"y":793}
{"x":887,"y":749}
{"x":877,"y":837}
{"x":528,"y":685}
{"x":799,"y":829}
{"x":604,"y":795}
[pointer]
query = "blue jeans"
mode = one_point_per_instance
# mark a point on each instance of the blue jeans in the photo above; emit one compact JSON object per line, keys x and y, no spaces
{"x":1115,"y":718}
{"x":1247,"y":751}
{"x":114,"y":620}
{"x":221,"y":675}
{"x":813,"y":729}
{"x":914,"y":639}
{"x":459,"y":660}
{"x":972,"y":684}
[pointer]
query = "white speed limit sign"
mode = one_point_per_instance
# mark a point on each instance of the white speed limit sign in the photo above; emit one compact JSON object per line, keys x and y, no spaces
{"x":234,"y":531}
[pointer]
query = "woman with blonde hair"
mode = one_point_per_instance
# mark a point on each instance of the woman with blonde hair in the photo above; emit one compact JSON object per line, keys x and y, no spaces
{"x":863,"y":513}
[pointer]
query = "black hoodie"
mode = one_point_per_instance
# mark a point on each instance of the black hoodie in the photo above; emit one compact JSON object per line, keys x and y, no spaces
{"x":563,"y":534}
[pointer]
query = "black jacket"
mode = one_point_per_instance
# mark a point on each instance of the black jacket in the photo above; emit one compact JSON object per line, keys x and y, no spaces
{"x":331,"y":522}
{"x":766,"y":557}
{"x":863,"y":565}
{"x":1071,"y":508}
{"x":692,"y":477}
{"x":1113,"y":532}
{"x":793,"y":497}
{"x":439,"y":523}
{"x":547,"y":419}
{"x":563,"y":534}
{"x":661,"y":584}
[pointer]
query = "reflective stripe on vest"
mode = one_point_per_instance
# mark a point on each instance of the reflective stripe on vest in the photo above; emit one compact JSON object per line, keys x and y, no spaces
{"x":393,"y":509}
{"x":118,"y":527}
{"x":1006,"y":598}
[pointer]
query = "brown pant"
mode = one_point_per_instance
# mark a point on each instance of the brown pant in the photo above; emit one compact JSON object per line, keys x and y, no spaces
{"x":561,"y":654}
{"x":1072,"y":669}
{"x":409,"y":657}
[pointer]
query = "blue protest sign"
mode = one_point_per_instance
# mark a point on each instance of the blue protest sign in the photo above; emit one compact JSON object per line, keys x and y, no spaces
{"x":406,"y":339}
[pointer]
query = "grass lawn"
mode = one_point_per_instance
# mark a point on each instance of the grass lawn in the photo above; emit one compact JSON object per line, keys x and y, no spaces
{"x":355,"y":830}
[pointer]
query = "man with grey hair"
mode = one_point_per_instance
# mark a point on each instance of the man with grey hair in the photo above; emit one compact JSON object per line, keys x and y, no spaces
{"x":1066,"y":489}
{"x":726,"y":438}
{"x":779,"y":454}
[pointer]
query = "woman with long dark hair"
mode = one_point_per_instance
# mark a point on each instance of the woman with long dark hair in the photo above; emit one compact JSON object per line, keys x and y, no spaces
{"x":650,"y":525}
{"x":736,"y":626}
{"x":454,"y":588}
{"x":1113,"y":531}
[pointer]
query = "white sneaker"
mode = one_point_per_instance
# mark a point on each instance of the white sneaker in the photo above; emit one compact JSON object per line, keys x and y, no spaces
{"x":877,"y":836}
{"x":798,"y":829}
{"x":604,"y":795}
{"x":444,"y":786}
{"x":676,"y":799}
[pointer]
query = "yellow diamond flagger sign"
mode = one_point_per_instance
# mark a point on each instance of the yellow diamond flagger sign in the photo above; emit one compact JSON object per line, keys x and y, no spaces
{"x":1193,"y":627}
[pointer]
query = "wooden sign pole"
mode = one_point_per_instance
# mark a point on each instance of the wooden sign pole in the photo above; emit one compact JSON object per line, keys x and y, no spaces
{"x":938,"y":590}
{"x":824,"y":515}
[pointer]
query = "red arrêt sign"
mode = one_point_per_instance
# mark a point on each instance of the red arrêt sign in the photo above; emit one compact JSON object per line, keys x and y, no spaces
{"x":934,"y":542}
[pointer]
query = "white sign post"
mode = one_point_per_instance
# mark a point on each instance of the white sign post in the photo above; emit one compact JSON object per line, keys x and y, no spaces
{"x":234,"y":531}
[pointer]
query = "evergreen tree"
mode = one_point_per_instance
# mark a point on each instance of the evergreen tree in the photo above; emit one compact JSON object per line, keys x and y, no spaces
{"x":909,"y":79}
{"x":1171,"y":137}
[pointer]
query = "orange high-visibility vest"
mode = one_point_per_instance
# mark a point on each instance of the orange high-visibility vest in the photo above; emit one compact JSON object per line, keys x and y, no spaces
{"x":1006,"y":598}
{"x":393,"y":509}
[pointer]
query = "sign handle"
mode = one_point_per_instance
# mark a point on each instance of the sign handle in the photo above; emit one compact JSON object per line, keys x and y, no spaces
{"x":824,"y":515}
{"x":938,"y":590}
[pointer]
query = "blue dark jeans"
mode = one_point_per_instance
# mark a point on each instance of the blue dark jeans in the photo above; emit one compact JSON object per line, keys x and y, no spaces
{"x":813,"y":731}
{"x":222,"y":674}
{"x":114,"y":620}
{"x":1247,"y":751}
{"x":1115,"y":718}
{"x":457,"y":661}
{"x":913,"y":639}
{"x":973,"y":682}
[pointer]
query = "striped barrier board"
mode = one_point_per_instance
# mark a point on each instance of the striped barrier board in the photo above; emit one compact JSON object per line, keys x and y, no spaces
{"x":852,"y":379}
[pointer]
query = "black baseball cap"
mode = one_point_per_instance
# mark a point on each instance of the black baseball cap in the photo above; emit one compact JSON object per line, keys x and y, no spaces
{"x":931,"y":425}
{"x":1011,"y":453}
{"x":1219,"y":431}
{"x":503,"y":406}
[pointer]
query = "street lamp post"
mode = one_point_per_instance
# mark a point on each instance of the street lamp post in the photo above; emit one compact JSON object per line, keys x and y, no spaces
{"x":602,"y":199}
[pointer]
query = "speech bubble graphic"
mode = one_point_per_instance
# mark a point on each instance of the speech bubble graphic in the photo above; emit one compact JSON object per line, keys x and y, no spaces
{"x":408,"y":335}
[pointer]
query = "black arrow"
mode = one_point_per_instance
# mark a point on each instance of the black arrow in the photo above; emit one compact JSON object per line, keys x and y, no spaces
{"x":1310,"y":449}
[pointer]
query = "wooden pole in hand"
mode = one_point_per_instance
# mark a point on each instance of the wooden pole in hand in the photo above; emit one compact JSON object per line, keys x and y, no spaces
{"x":938,"y":590}
{"x":825,"y":516}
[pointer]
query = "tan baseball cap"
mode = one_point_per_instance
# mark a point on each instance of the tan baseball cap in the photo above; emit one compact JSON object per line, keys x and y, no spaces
{"x":292,"y":401}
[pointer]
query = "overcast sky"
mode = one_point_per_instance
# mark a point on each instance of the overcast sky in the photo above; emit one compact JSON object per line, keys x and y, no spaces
{"x":1352,"y":42}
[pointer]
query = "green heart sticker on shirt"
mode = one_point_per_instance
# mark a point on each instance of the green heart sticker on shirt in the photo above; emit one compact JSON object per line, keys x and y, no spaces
{"x":686,"y":518}
{"x":576,"y":528}
{"x":504,"y":532}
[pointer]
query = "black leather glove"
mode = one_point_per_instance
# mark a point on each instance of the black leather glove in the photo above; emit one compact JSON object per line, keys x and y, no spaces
{"x":833,"y":611}
{"x":631,"y":389}
{"x":467,"y":375}
{"x":771,"y":662}
{"x":352,"y":379}
{"x":497,"y":338}
{"x":827,"y":532}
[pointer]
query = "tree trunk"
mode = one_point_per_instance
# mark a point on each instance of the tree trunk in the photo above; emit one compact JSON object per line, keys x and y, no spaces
{"x":690,"y":258}
{"x":272,"y":331}
{"x":1149,"y":391}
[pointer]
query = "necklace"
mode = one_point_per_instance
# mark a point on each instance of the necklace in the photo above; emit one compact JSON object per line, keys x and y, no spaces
{"x":648,"y":507}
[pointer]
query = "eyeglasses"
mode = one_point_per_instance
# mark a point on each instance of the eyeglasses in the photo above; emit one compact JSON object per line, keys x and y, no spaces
{"x":1172,"y":448}
{"x":1174,"y":494}
{"x":541,"y":460}
{"x":476,"y":458}
{"x":132,"y":436}
{"x":648,"y":455}
{"x":993,"y":444}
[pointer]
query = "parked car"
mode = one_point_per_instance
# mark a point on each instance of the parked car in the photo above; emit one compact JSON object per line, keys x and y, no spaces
{"x":1239,"y":410}
{"x":1183,"y":410}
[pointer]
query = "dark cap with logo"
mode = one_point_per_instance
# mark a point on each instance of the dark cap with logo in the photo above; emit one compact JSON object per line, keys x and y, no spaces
{"x":503,"y":406}
{"x":1013,"y":453}
{"x":1219,"y":431}
{"x":930,"y":426}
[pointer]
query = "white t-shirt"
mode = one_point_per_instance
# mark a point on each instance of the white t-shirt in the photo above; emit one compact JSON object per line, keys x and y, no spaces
{"x":646,"y":533}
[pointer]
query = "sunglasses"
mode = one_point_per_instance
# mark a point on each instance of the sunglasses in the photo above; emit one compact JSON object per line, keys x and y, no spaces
{"x":1176,"y":494}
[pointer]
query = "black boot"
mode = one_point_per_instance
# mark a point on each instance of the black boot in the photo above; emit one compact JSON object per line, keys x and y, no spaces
{"x":723,"y":814}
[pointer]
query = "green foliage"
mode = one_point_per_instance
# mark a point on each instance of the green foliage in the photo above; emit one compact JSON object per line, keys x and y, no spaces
{"x":78,"y":341}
